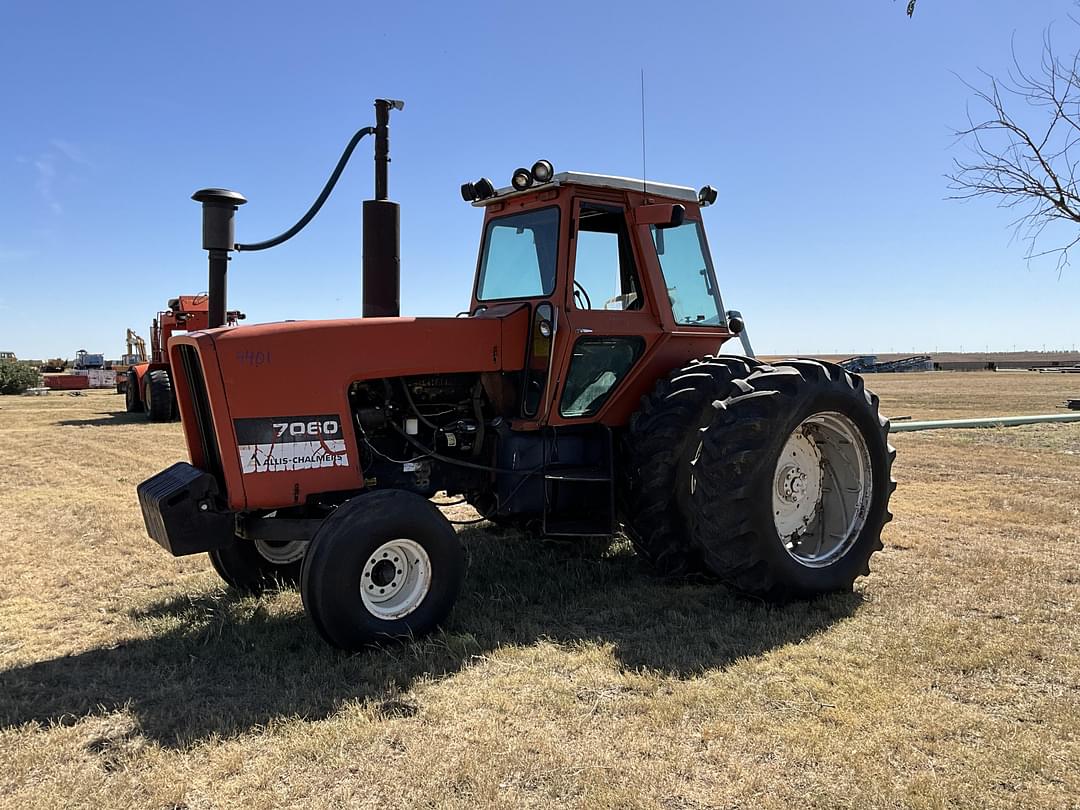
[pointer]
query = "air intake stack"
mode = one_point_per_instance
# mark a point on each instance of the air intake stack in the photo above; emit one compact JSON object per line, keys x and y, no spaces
{"x":218,"y":237}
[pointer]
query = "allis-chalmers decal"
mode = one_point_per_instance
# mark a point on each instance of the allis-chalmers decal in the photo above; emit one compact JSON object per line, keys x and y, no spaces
{"x":286,"y":443}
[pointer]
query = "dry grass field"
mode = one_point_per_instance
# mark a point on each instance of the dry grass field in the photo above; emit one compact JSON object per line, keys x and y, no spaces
{"x":565,"y":677}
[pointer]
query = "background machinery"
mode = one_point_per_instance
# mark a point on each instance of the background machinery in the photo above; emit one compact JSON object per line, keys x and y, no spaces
{"x":134,"y":354}
{"x":582,"y":395}
{"x":148,"y":383}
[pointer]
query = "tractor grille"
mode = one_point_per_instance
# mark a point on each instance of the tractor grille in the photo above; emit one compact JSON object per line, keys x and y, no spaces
{"x":204,"y":422}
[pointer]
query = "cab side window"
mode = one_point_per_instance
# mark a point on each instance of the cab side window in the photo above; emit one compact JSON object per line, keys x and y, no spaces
{"x":605,"y":276}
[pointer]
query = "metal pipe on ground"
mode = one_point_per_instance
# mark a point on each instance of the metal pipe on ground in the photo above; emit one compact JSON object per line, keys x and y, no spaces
{"x":996,"y":421}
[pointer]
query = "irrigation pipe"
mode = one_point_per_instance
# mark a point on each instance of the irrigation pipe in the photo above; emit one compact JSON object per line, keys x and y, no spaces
{"x":996,"y":421}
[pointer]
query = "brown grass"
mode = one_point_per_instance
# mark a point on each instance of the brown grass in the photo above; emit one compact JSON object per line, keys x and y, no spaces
{"x":950,"y":678}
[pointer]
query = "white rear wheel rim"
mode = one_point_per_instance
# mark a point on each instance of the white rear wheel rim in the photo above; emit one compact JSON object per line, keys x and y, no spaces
{"x":822,"y":489}
{"x":395,"y":579}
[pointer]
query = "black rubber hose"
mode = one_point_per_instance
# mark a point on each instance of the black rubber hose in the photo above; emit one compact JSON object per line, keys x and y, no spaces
{"x":427,"y":451}
{"x":306,"y":218}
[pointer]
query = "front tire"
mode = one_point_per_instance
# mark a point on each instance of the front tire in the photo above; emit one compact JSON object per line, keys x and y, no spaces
{"x":384,"y":565}
{"x":791,"y":482}
{"x":254,"y":566}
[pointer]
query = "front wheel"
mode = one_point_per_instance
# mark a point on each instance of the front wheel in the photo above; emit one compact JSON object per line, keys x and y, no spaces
{"x":791,"y":482}
{"x":384,"y":565}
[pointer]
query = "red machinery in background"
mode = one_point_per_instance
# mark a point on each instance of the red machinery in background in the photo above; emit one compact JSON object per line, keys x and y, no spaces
{"x":152,"y":391}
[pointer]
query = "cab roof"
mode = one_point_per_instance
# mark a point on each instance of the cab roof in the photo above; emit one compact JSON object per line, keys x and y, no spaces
{"x":597,"y":181}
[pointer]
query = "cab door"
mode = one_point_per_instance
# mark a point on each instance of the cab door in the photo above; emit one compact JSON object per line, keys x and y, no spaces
{"x":611,"y":321}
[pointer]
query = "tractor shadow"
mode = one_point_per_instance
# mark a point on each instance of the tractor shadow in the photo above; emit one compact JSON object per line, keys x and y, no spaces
{"x":107,"y":419}
{"x":215,"y":664}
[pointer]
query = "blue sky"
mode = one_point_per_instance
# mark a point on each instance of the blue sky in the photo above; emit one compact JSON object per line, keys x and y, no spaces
{"x":826,"y":127}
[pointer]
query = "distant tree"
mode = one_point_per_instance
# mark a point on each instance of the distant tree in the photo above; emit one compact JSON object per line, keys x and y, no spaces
{"x":1024,"y":150}
{"x":16,"y":377}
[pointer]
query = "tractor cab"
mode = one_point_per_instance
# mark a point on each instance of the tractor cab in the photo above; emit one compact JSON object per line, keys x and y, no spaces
{"x":616,"y":276}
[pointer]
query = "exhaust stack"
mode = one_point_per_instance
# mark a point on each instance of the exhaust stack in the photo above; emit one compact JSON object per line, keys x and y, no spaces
{"x":382,"y":228}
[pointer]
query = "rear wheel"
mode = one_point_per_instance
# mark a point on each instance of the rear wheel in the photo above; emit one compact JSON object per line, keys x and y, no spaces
{"x":131,"y":393}
{"x":791,"y":482}
{"x":659,"y":444}
{"x":159,"y":396}
{"x":384,"y":565}
{"x":254,"y":566}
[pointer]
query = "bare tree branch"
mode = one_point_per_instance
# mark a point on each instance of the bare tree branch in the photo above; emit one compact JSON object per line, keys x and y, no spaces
{"x":1022,"y":147}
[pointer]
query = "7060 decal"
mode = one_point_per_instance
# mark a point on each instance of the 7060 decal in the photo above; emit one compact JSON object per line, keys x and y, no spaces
{"x":288,"y":443}
{"x":329,"y":427}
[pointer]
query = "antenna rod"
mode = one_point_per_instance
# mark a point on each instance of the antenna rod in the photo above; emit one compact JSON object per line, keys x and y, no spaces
{"x":644,"y":184}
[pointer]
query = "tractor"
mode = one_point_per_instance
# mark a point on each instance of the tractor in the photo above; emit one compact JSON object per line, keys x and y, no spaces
{"x":581,"y":394}
{"x":147,"y":384}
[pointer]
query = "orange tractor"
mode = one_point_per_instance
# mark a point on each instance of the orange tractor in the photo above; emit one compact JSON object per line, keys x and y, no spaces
{"x":147,"y":385}
{"x":582,"y":393}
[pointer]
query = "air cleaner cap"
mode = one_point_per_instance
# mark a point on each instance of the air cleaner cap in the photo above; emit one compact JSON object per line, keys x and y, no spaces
{"x":218,"y":207}
{"x":220,"y":196}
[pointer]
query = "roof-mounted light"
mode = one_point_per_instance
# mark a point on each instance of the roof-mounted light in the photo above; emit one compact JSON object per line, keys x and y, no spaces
{"x":707,"y":196}
{"x":542,"y":171}
{"x":479,"y":190}
{"x":521,"y":179}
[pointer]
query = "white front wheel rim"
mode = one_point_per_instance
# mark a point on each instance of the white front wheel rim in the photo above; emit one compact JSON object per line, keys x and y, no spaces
{"x":395,"y":579}
{"x":281,"y":552}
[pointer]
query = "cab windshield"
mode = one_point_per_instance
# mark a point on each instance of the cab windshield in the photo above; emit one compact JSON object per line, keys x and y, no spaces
{"x":519,"y":256}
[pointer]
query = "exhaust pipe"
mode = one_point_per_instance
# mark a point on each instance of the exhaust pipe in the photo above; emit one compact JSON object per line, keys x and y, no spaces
{"x":382,"y":228}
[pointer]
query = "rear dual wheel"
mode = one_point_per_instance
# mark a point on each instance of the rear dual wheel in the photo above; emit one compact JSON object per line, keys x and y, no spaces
{"x":659,"y":445}
{"x":783,"y":484}
{"x":131,"y":394}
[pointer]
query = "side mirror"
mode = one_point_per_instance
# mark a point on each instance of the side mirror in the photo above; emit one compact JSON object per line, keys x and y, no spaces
{"x":662,"y":215}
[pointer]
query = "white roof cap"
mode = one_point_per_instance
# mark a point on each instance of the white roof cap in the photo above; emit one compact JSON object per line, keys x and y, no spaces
{"x":598,"y":181}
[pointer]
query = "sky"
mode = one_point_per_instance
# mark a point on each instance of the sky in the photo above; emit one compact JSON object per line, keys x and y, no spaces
{"x":827,"y":128}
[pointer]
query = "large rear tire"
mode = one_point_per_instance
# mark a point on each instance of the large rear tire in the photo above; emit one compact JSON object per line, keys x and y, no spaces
{"x":658,"y":447}
{"x":791,"y":482}
{"x":384,"y":565}
{"x":159,"y":396}
{"x":255,"y":566}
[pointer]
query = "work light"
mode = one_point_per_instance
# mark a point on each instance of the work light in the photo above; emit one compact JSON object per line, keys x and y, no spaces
{"x":480,"y":190}
{"x":707,"y":196}
{"x":542,"y":171}
{"x":521,"y":180}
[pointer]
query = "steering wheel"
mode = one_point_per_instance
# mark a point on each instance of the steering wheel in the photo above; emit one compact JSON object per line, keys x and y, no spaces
{"x":581,"y":290}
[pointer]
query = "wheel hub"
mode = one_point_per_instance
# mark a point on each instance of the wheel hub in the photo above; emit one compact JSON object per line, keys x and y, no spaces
{"x":822,"y":489}
{"x":395,"y":579}
{"x":796,"y":485}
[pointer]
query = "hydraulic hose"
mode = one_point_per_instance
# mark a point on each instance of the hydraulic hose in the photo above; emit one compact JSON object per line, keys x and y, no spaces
{"x":306,"y":218}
